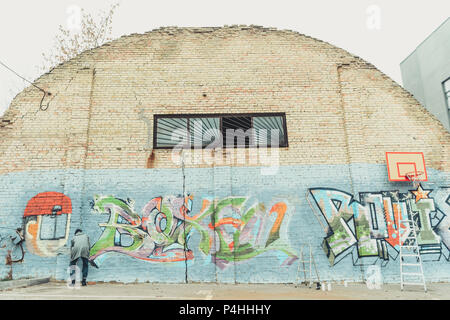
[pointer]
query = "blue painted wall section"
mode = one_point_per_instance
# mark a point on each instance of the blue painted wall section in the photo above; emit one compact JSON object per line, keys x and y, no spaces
{"x":232,"y":225}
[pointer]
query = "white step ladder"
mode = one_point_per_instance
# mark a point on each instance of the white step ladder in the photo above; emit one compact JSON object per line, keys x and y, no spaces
{"x":409,"y":249}
{"x":303,"y":262}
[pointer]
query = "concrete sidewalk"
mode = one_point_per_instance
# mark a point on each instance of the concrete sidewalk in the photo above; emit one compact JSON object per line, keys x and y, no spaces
{"x":13,"y":284}
{"x":54,"y":290}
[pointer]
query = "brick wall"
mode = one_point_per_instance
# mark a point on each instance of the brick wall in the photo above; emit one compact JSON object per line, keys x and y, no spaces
{"x":342,"y":116}
{"x":333,"y":101}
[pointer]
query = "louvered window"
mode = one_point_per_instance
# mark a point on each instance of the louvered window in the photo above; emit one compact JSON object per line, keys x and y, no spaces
{"x":220,"y":131}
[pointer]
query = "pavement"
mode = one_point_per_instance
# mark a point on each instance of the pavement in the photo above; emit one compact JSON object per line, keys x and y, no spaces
{"x":12,"y":284}
{"x":58,"y":290}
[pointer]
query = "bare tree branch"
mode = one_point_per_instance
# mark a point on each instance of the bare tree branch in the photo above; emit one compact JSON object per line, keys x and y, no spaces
{"x":93,"y":33}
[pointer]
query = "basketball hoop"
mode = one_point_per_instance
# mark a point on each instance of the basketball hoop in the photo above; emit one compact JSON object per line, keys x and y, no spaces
{"x":414,"y":177}
{"x":402,"y":164}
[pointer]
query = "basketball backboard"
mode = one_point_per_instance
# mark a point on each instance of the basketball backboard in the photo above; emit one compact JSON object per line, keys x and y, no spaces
{"x":404,"y":165}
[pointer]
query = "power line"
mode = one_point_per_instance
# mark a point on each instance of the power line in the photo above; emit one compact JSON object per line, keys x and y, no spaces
{"x":20,"y":76}
{"x":45,"y":92}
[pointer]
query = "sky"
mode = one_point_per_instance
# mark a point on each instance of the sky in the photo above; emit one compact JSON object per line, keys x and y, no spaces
{"x":382,"y":32}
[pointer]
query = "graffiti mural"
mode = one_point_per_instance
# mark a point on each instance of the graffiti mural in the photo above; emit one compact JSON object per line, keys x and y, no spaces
{"x":244,"y":232}
{"x":371,"y":228}
{"x":162,"y":231}
{"x":47,"y":223}
{"x":156,"y":236}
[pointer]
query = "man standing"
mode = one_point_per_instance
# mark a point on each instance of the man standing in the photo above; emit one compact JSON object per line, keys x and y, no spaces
{"x":80,"y":249}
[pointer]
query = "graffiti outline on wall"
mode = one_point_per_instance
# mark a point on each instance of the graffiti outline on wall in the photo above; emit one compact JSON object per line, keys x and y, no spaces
{"x":156,"y":236}
{"x":244,"y":232}
{"x":370,"y":228}
{"x":13,"y":244}
{"x":230,"y":230}
{"x":46,"y":222}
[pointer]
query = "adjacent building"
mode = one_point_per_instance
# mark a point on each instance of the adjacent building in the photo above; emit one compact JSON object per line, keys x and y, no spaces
{"x":426,"y":73}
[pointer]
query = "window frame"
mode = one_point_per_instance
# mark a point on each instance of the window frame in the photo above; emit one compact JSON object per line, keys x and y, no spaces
{"x":188,"y":116}
{"x":446,"y":93}
{"x":55,"y":226}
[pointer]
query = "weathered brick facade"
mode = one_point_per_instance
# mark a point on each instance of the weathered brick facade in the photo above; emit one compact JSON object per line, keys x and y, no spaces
{"x":342,"y":116}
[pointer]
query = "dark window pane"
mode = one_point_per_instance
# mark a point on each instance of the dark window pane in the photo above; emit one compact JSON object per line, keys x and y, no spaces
{"x":236,"y":131}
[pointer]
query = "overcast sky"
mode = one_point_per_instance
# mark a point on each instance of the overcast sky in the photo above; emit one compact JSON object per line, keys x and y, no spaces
{"x":383,"y":32}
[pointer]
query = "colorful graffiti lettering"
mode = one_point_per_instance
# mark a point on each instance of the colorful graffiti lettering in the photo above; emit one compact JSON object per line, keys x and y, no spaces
{"x":157,"y":236}
{"x":162,"y":232}
{"x":47,"y":223}
{"x":372,"y":226}
{"x":244,"y":234}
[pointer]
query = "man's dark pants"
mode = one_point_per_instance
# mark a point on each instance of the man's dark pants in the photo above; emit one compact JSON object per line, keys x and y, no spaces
{"x":85,"y":267}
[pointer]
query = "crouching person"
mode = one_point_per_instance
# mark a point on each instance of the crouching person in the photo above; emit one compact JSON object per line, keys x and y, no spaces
{"x":80,"y":249}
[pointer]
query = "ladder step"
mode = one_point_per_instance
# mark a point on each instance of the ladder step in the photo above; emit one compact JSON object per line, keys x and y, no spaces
{"x":305,"y":266}
{"x":412,"y":248}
